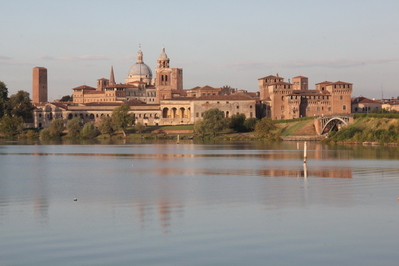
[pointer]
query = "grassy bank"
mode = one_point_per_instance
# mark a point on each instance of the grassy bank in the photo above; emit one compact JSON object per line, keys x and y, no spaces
{"x":370,"y":129}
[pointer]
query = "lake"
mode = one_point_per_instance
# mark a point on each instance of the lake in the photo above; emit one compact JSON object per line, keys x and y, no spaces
{"x":198,"y":203}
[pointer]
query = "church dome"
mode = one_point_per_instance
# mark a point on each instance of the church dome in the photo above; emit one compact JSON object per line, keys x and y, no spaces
{"x":140,"y":69}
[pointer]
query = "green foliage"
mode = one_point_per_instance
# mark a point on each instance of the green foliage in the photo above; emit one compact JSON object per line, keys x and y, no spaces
{"x":369,"y":129}
{"x":74,"y":126}
{"x":11,"y":125}
{"x":89,"y":131}
{"x":214,"y":121}
{"x":200,"y":128}
{"x":66,"y":98}
{"x":282,"y":121}
{"x":121,"y":118}
{"x":56,"y":128}
{"x":264,"y":128}
{"x":376,"y":115}
{"x":105,"y":126}
{"x":139,"y":127}
{"x":250,"y":123}
{"x":236,"y":122}
{"x":20,"y":104}
{"x":30,"y":134}
{"x":345,"y":133}
{"x":45,"y":134}
{"x":3,"y":98}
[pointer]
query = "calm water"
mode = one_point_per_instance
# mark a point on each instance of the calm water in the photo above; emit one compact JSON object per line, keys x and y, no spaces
{"x":232,"y":203}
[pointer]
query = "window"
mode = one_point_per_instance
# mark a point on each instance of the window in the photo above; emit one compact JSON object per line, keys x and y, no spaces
{"x":344,"y":107}
{"x":238,"y":107}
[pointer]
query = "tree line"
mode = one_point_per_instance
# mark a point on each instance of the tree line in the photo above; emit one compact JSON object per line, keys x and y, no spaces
{"x":14,"y":111}
{"x":17,"y":110}
{"x":214,"y":122}
{"x":120,"y":119}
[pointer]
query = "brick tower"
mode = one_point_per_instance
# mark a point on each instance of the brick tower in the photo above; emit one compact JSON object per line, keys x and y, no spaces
{"x":39,"y":85}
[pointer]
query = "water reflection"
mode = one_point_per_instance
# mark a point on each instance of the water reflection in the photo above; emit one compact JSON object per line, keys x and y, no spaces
{"x":136,"y":200}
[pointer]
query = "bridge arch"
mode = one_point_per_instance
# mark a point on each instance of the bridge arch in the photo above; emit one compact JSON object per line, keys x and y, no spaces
{"x":329,"y":124}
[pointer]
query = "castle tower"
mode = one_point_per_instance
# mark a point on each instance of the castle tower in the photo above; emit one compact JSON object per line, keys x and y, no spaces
{"x":39,"y":85}
{"x":167,"y":79}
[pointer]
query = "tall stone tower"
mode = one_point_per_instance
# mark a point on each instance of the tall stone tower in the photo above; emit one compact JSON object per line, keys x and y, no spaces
{"x":39,"y":85}
{"x":167,"y":79}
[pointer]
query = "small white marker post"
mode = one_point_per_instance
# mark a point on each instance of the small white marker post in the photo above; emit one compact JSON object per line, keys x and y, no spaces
{"x":178,"y":138}
{"x":304,"y":152}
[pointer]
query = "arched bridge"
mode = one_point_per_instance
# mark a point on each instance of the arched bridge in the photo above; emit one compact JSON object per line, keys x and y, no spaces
{"x":325,"y":124}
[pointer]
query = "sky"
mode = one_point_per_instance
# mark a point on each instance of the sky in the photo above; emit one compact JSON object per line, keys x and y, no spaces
{"x":216,"y":43}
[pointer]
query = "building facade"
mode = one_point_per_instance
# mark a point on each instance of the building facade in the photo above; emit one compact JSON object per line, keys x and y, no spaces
{"x":284,"y":100}
{"x":161,"y":100}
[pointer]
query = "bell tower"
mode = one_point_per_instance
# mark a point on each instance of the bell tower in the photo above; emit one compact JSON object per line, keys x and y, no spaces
{"x":167,"y":79}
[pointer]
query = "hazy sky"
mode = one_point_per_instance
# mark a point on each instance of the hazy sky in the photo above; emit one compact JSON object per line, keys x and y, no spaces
{"x":215,"y":42}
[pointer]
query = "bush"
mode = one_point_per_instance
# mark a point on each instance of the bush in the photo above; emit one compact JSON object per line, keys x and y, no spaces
{"x":264,"y":128}
{"x":89,"y":131}
{"x":56,"y":128}
{"x":74,"y":127}
{"x":45,"y":134}
{"x":250,"y":123}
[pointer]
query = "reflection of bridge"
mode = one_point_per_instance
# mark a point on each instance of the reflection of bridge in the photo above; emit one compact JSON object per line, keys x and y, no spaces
{"x":325,"y":124}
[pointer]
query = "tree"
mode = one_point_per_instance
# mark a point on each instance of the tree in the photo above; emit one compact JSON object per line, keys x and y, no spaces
{"x":20,"y":105}
{"x":200,"y":128}
{"x":3,"y":98}
{"x":121,"y":118}
{"x":105,"y":126}
{"x":66,"y":98}
{"x":264,"y":127}
{"x":89,"y":131}
{"x":139,"y":127}
{"x":45,"y":134}
{"x":250,"y":123}
{"x":236,"y":122}
{"x":10,"y":125}
{"x":56,"y":128}
{"x":74,"y":126}
{"x":214,"y":121}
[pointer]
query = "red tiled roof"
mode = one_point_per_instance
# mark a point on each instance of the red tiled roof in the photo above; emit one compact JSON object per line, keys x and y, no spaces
{"x":84,"y":87}
{"x":362,"y":99}
{"x":270,"y":76}
{"x":324,"y":82}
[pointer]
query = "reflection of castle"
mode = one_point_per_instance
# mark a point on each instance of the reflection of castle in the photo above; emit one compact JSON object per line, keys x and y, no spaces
{"x":161,"y":100}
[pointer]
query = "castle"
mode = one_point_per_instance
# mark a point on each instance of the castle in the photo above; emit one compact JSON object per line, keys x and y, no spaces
{"x":161,"y":100}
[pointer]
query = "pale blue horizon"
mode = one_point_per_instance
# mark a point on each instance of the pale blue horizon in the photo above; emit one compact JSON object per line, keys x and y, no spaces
{"x":215,"y":42}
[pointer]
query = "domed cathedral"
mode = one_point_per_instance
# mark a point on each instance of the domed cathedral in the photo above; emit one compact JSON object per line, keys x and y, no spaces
{"x":140,"y":72}
{"x":167,"y":79}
